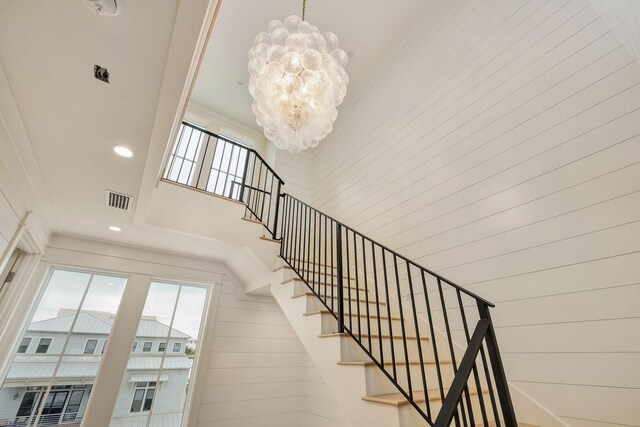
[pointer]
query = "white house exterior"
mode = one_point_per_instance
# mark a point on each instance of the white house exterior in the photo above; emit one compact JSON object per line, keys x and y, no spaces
{"x":150,"y":377}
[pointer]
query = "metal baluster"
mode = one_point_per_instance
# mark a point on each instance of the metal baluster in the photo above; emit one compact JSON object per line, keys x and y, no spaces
{"x":404,"y":334}
{"x":475,"y":368}
{"x":244,"y":175}
{"x":193,"y":163}
{"x":326,"y":278}
{"x":268,"y":219}
{"x":355,"y":262}
{"x":275,"y":220}
{"x":333,"y":263}
{"x":452,"y":353}
{"x":313,"y":270}
{"x":304,"y":243}
{"x":307,"y":255}
{"x":228,"y":172}
{"x":433,"y":336}
{"x":366,"y":292}
{"x":346,"y":239}
{"x":340,"y":273}
{"x":415,"y":321}
{"x":386,"y":289}
{"x":375,"y":283}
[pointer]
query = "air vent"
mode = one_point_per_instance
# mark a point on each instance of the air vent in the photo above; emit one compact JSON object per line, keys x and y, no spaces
{"x":118,"y":200}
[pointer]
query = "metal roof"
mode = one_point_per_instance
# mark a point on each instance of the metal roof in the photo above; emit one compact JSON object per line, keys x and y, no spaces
{"x":87,"y":323}
{"x":73,"y":368}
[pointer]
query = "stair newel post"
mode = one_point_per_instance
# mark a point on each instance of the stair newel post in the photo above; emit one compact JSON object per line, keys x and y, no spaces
{"x":499,"y":376}
{"x":340,"y":278}
{"x":275,"y":217}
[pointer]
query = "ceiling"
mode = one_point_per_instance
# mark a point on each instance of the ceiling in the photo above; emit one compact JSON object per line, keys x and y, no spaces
{"x":48,"y":50}
{"x":368,"y":28}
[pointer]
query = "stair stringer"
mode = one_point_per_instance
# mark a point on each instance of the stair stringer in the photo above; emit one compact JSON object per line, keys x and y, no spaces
{"x":347,"y":385}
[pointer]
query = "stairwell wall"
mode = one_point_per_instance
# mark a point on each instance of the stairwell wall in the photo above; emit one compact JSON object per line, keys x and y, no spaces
{"x":499,"y":145}
{"x":258,"y":372}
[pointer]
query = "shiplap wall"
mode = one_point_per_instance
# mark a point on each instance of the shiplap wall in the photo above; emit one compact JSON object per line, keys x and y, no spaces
{"x":294,"y":169}
{"x":499,"y":145}
{"x":258,"y":372}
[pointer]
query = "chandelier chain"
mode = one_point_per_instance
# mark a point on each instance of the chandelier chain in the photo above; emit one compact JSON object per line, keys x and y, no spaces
{"x":304,"y":8}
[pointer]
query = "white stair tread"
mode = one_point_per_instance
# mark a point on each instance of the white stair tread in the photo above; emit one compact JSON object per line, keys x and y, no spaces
{"x":373,"y":316}
{"x":353,"y":299}
{"x":384,"y":336}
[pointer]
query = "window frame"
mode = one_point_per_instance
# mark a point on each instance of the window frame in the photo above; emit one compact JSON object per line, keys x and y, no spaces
{"x":29,"y":340}
{"x":144,"y":345}
{"x":162,"y":344}
{"x":86,"y":346}
{"x":146,"y":389}
{"x":179,"y":350}
{"x":134,"y":346}
{"x":40,"y":343}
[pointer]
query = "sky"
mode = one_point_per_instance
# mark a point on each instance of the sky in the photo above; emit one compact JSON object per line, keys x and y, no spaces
{"x":66,"y":289}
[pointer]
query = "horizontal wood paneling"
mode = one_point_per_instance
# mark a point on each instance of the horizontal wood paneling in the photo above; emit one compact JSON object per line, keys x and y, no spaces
{"x":257,"y":371}
{"x":499,"y":145}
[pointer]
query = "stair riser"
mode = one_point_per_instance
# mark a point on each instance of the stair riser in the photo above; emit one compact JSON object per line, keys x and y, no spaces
{"x":300,"y":288}
{"x":330,"y":324}
{"x":313,"y":304}
{"x":378,"y":383}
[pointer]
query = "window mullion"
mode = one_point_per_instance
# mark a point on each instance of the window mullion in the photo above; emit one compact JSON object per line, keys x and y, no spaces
{"x":164,"y":355}
{"x":114,"y":363}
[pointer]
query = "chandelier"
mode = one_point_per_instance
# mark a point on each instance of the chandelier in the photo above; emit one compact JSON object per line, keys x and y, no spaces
{"x":297,"y":81}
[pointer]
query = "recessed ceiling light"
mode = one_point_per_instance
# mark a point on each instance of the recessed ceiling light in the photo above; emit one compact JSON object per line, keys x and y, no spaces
{"x":123,"y":151}
{"x":114,"y":228}
{"x":350,"y":54}
{"x":240,"y":82}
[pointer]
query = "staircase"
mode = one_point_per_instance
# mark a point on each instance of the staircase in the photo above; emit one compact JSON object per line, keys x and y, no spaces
{"x":398,"y":344}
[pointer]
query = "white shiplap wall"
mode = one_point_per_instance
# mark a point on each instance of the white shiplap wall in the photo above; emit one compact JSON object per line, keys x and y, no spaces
{"x":500,"y":146}
{"x":258,"y":372}
{"x":294,"y":169}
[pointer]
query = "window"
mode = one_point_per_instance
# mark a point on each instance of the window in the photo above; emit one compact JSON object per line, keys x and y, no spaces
{"x":43,"y":345}
{"x":157,"y":388}
{"x":147,"y":346}
{"x":177,"y":346}
{"x":90,"y":347}
{"x":71,"y":306}
{"x":24,"y":345}
{"x":143,"y":396}
{"x":208,"y":162}
{"x":134,"y":346}
{"x":104,"y":346}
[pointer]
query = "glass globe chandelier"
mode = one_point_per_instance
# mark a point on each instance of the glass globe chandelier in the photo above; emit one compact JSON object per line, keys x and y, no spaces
{"x":297,"y":81}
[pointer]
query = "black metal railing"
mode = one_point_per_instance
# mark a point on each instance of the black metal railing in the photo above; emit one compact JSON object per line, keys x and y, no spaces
{"x":211,"y":163}
{"x":406,"y":318}
{"x":433,"y":339}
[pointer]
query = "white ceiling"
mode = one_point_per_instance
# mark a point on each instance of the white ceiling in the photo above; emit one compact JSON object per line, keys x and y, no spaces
{"x":368,"y":28}
{"x":47,"y":51}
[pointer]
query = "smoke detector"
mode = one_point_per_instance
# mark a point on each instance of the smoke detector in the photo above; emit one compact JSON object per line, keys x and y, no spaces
{"x":104,"y":7}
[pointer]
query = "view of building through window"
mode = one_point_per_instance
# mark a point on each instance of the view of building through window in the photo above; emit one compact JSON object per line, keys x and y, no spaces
{"x":51,"y":376}
{"x":154,"y":389}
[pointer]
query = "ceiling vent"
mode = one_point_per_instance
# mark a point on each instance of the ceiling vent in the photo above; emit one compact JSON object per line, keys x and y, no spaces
{"x":118,"y":200}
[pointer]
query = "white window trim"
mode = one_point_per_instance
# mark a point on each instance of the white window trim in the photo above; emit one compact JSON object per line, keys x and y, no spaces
{"x":35,"y":351}
{"x":26,"y":350}
{"x":86,"y":343}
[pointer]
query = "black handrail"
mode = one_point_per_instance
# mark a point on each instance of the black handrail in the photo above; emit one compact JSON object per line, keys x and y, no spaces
{"x":408,"y":319}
